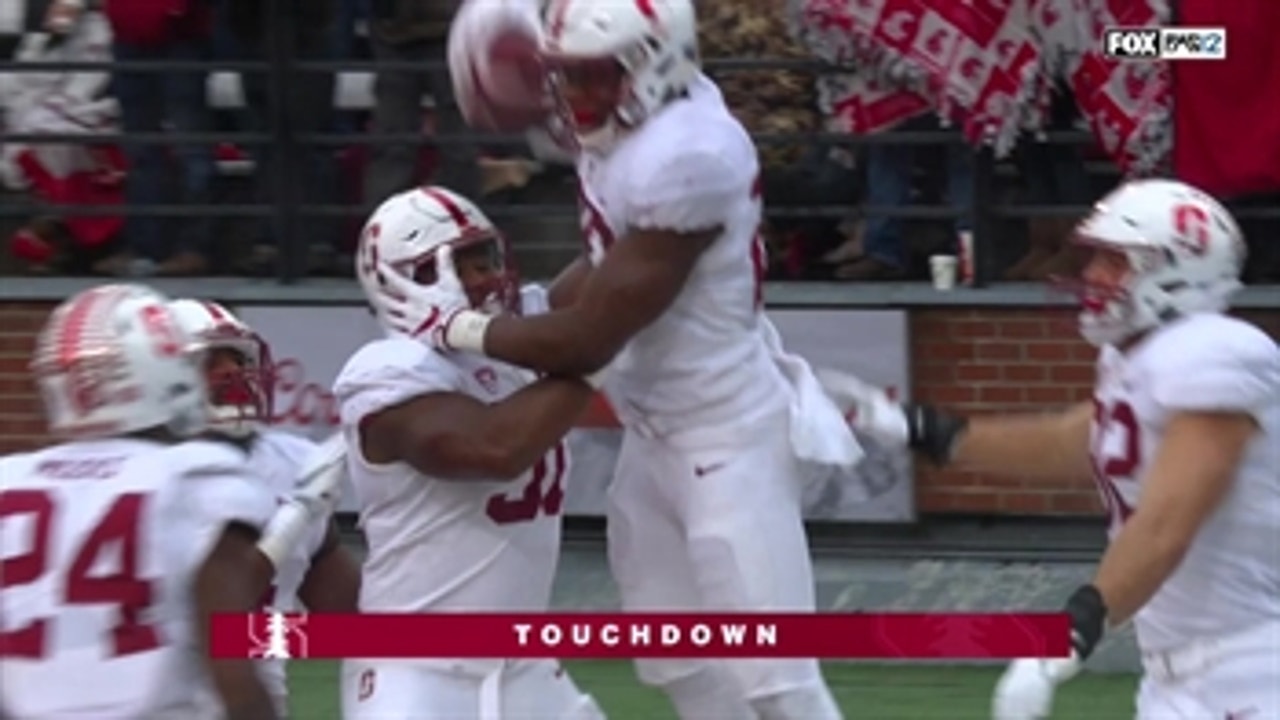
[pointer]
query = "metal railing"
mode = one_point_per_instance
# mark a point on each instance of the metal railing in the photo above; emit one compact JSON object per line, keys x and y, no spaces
{"x":290,"y":148}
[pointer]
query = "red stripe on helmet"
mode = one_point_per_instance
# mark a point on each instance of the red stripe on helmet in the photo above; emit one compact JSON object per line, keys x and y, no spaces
{"x":451,"y":207}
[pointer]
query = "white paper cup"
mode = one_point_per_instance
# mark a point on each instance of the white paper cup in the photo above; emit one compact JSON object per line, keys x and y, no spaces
{"x":943,"y":270}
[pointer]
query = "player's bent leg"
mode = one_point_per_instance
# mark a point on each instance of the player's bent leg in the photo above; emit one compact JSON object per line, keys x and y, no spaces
{"x":389,"y":690}
{"x":749,"y":551}
{"x":649,"y":562}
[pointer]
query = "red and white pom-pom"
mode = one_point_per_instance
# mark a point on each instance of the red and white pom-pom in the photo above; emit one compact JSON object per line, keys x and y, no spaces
{"x":498,"y":78}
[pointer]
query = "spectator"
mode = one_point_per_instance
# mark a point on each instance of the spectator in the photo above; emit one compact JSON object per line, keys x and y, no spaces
{"x":54,"y":174}
{"x":887,"y":250}
{"x":160,"y":31}
{"x":1052,"y":174}
{"x":307,"y":107}
{"x":415,"y":31}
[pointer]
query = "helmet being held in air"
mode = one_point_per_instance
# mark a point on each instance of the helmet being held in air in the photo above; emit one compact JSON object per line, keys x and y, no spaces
{"x":403,"y":234}
{"x":1184,"y":254}
{"x":240,"y":387}
{"x":113,"y":360}
{"x":649,"y":48}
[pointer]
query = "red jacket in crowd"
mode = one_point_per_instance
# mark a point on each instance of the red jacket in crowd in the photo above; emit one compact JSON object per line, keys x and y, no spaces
{"x":158,"y":22}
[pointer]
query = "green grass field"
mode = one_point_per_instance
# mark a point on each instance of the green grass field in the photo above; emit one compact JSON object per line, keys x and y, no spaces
{"x":873,"y":692}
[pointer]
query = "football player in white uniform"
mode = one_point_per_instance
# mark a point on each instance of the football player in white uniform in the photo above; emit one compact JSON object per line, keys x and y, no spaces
{"x":705,"y":507}
{"x":117,"y":544}
{"x":1183,"y":439}
{"x":317,"y":574}
{"x":457,"y":464}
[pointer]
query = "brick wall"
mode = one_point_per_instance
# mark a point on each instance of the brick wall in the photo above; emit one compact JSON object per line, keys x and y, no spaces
{"x":19,"y":409}
{"x":969,"y":359}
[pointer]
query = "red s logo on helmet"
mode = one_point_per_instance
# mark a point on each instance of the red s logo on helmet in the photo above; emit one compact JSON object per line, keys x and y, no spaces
{"x":1191,"y":223}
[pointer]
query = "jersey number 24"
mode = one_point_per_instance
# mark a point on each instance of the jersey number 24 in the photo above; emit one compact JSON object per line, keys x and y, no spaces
{"x":116,"y":535}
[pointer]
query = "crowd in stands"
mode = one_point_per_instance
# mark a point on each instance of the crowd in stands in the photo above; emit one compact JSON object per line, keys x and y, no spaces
{"x":806,"y":169}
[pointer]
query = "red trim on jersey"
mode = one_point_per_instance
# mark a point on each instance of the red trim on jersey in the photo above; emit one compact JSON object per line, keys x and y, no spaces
{"x":455,"y":212}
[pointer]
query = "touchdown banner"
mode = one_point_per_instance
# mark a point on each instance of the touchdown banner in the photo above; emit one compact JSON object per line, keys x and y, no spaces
{"x":849,"y":636}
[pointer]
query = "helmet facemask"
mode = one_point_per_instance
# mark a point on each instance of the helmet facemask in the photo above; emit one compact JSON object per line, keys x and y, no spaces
{"x":604,"y":92}
{"x":484,"y":266}
{"x":1123,"y":288}
{"x":590,"y":95}
{"x":238,"y":370}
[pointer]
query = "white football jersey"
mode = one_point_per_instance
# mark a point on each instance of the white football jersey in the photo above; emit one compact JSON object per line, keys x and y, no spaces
{"x":100,"y":542}
{"x":442,"y":545}
{"x":704,"y":363}
{"x":1230,"y":579}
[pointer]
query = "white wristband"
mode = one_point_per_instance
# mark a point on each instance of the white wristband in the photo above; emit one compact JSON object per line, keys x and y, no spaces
{"x":466,"y":330}
{"x":284,"y":531}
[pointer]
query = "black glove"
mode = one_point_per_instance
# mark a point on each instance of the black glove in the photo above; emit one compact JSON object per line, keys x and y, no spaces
{"x":1088,"y":613}
{"x":932,"y":432}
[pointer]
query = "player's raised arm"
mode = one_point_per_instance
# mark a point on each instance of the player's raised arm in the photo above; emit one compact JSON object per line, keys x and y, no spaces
{"x":678,"y":208}
{"x":452,"y":436}
{"x":567,"y":287}
{"x":1052,"y":444}
{"x":633,"y":285}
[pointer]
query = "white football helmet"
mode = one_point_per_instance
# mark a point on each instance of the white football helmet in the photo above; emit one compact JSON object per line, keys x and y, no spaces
{"x":654,"y":42}
{"x":113,"y":360}
{"x":1184,"y":252}
{"x":239,"y":394}
{"x":402,"y":236}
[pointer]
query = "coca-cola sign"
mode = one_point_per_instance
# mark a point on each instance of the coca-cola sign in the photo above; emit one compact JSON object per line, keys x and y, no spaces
{"x":310,"y":344}
{"x":302,"y":401}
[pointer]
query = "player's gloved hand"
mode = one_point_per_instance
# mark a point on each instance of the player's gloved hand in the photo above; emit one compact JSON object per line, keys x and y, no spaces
{"x":873,"y":413}
{"x":869,"y":410}
{"x":1025,"y":691}
{"x":427,"y":312}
